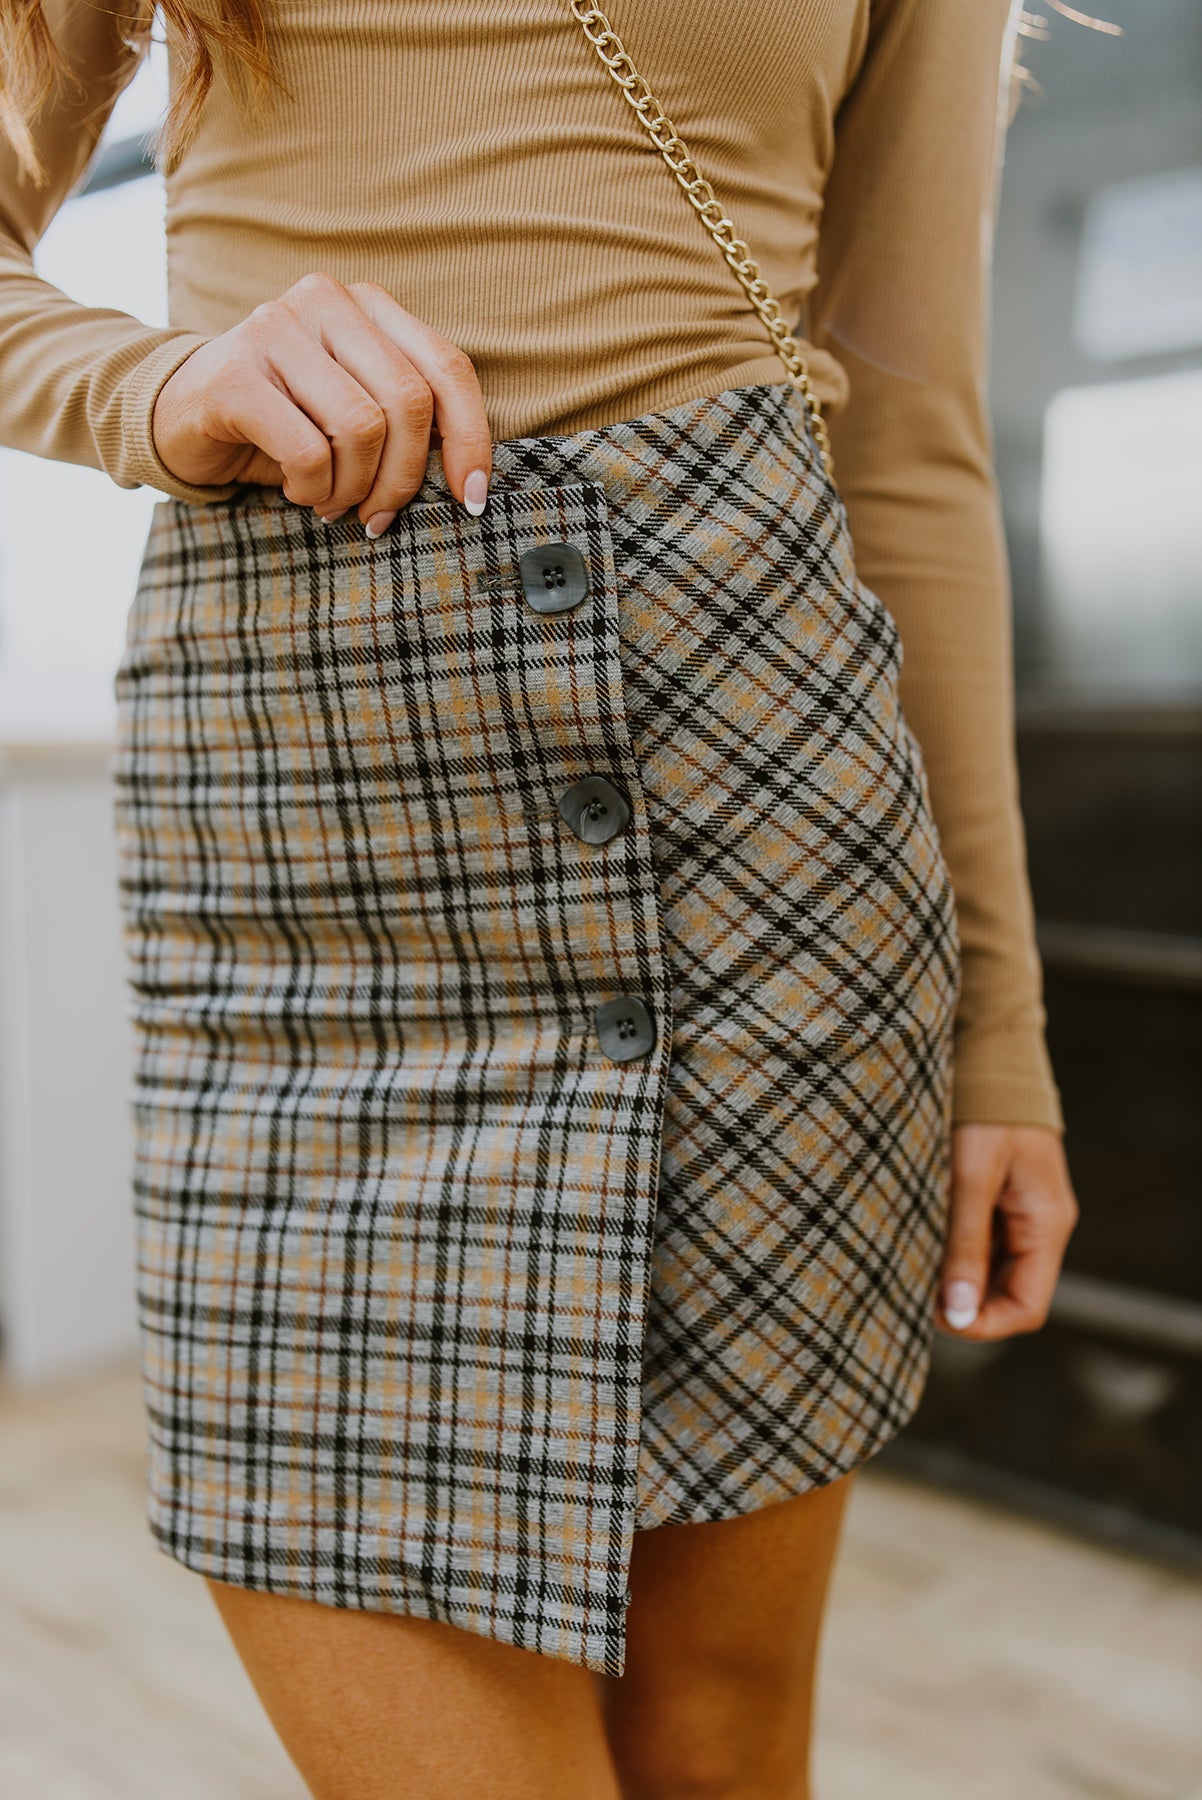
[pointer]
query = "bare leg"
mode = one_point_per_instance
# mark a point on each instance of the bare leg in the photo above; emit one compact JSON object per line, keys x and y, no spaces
{"x":375,"y":1707}
{"x":722,"y":1642}
{"x":715,"y":1703}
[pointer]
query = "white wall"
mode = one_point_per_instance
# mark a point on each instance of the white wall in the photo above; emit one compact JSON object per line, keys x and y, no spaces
{"x":70,"y":545}
{"x":66,"y":1239}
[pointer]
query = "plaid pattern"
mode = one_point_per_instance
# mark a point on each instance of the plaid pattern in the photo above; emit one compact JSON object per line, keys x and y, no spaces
{"x":438,"y":1302}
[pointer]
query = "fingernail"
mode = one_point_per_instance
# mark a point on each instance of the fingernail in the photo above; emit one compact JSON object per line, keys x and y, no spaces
{"x":329,"y":518}
{"x":960,"y":1304}
{"x":378,"y":524}
{"x":475,"y":492}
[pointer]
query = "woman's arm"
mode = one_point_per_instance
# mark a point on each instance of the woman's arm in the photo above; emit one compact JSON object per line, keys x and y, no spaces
{"x":78,"y":383}
{"x":903,"y":300}
{"x":327,"y":391}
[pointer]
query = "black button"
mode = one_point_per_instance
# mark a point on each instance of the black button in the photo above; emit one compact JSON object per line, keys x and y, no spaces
{"x":554,"y":578}
{"x":594,"y":809}
{"x":625,"y":1028}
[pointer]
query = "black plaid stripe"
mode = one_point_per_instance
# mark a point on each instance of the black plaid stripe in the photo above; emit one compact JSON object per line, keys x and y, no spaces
{"x":406,"y":1342}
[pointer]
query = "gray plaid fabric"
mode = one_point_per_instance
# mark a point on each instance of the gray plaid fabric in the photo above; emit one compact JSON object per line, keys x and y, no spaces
{"x":440,"y":1302}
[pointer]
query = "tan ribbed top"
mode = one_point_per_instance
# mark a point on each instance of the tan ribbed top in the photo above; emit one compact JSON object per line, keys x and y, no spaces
{"x":476,"y":160}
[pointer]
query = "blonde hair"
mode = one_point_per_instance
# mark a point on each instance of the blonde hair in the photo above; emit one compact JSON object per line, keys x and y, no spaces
{"x":32,"y":63}
{"x":1029,"y":24}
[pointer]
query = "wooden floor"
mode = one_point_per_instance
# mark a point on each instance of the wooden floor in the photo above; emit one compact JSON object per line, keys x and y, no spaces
{"x":970,"y":1656}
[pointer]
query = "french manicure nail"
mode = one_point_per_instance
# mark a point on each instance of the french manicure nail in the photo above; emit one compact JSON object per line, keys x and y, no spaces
{"x":475,"y":492}
{"x":378,"y":524}
{"x":330,"y":518}
{"x":960,"y":1304}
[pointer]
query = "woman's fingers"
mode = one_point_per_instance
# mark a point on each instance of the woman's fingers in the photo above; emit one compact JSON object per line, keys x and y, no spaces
{"x":267,"y":393}
{"x":1013,"y":1198}
{"x":459,"y":412}
{"x":387,"y":381}
{"x":377,"y":441}
{"x":978,"y":1171}
{"x":222,"y":417}
{"x":333,"y":393}
{"x":1037,"y":1214}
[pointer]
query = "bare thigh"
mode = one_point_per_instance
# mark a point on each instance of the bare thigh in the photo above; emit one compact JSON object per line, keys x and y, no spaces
{"x":722,"y":1644}
{"x":716,"y":1698}
{"x":371,"y":1706}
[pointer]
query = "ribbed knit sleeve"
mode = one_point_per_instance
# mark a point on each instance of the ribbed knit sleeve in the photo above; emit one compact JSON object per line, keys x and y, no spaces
{"x":78,"y":383}
{"x":903,"y":300}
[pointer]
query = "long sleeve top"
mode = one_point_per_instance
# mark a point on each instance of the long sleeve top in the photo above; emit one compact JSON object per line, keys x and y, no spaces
{"x":479,"y":163}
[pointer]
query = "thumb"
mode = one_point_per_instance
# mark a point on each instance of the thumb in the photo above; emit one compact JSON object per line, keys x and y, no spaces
{"x":978,"y":1171}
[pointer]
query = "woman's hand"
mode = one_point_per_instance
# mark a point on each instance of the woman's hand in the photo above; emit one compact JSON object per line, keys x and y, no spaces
{"x":332,"y":393}
{"x":1012,"y":1213}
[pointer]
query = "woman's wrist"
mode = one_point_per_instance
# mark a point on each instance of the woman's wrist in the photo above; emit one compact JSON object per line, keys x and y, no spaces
{"x":139,"y":463}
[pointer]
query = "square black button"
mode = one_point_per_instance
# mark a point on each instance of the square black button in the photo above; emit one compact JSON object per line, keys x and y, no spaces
{"x":594,"y":809}
{"x":554,"y":578}
{"x":625,"y":1028}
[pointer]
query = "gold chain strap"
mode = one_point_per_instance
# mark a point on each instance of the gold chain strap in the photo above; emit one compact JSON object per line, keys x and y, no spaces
{"x":613,"y":53}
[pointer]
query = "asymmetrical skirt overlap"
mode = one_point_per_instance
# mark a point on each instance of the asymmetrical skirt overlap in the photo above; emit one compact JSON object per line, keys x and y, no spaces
{"x":448,"y":1281}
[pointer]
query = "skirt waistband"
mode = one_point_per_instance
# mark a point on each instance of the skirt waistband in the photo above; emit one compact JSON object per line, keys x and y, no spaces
{"x":615,"y":454}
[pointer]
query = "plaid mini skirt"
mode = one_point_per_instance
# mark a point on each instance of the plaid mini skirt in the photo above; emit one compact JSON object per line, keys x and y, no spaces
{"x":542,"y":963}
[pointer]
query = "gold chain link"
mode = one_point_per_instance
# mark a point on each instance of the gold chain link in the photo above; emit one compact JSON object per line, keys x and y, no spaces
{"x":613,"y":53}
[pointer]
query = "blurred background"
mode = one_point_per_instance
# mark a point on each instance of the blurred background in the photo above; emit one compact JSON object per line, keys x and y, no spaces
{"x":1097,"y":404}
{"x":1019,"y":1612}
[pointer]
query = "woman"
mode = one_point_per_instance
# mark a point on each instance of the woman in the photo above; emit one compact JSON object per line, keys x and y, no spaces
{"x":558,"y":1045}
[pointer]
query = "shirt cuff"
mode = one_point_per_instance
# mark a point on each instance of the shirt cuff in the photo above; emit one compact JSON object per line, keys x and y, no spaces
{"x":1005,"y":1078}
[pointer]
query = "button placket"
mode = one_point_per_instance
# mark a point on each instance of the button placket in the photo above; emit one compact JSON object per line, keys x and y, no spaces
{"x":591,"y":864}
{"x":555,"y":579}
